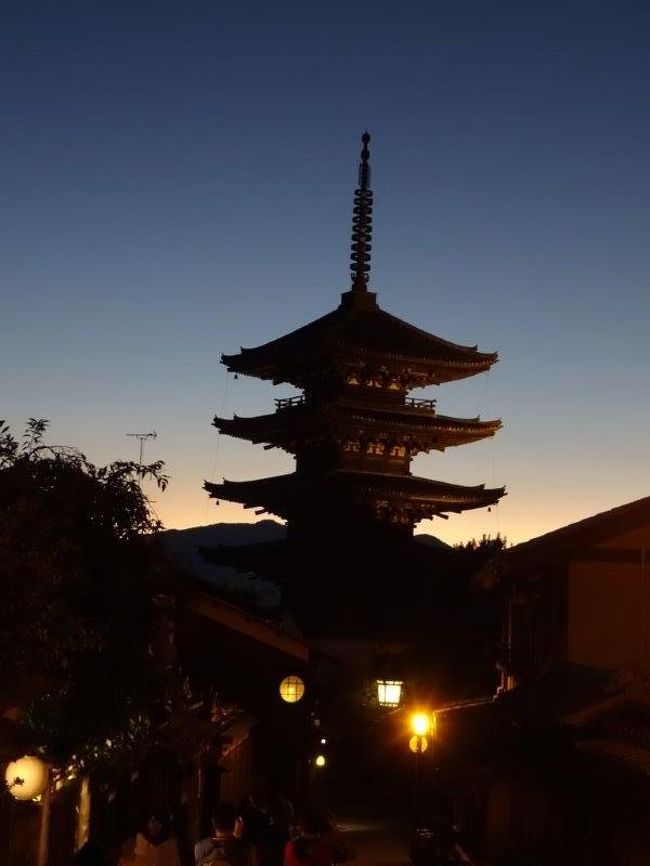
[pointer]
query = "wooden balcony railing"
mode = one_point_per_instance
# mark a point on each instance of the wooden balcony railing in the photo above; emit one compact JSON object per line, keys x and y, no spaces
{"x":288,"y":402}
{"x":420,"y":403}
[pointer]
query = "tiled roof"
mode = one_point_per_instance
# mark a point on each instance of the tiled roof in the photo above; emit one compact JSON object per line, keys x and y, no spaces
{"x":280,"y":493}
{"x":359,"y":333}
{"x":302,"y":420}
{"x":561,"y":543}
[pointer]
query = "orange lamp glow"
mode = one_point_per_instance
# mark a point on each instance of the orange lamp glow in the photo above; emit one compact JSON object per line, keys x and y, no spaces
{"x":420,"y":724}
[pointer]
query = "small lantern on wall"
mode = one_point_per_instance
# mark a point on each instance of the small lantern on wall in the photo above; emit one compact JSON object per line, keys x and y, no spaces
{"x":389,"y":692}
{"x":292,"y":688}
{"x":27,"y":777}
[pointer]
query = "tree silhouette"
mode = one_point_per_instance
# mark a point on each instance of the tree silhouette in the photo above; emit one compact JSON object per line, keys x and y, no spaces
{"x":79,"y":578}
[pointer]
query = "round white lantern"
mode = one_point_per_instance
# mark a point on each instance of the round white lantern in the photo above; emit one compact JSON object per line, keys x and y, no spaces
{"x":27,"y":777}
{"x":292,"y":689}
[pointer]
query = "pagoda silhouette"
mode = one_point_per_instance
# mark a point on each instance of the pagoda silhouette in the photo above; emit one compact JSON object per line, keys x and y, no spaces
{"x":352,"y":503}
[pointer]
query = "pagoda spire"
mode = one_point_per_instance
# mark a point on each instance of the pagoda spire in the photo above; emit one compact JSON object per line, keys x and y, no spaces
{"x":362,"y":224}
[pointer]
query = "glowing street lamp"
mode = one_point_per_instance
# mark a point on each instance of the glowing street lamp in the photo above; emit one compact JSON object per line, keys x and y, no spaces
{"x":420,"y":724}
{"x":320,"y":760}
{"x":389,"y":692}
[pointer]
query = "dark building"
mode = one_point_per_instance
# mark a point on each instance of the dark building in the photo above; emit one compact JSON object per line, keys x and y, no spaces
{"x":228,"y":731}
{"x":354,"y":431}
{"x":570,"y":760}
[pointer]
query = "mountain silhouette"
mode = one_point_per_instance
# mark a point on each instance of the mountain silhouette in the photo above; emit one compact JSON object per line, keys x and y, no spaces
{"x":182,"y":545}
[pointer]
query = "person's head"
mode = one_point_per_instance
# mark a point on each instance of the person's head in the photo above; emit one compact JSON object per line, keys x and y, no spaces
{"x":311,"y":823}
{"x":156,"y":827}
{"x":224,"y":819}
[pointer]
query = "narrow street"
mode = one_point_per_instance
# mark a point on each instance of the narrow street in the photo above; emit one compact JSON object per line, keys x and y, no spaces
{"x":382,"y":840}
{"x":377,"y":841}
{"x":372,"y":815}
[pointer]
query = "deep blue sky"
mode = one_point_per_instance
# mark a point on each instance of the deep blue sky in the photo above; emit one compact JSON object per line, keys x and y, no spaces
{"x":177,"y":181}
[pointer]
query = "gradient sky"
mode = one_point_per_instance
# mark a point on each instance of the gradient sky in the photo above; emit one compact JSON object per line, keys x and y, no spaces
{"x":177,"y":181}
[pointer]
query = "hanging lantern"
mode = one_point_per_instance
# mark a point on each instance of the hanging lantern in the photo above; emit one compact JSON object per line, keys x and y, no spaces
{"x":292,"y":689}
{"x":27,"y":778}
{"x":389,"y":692}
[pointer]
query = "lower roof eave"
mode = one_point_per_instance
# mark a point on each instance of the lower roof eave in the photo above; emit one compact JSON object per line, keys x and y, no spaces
{"x":286,"y":504}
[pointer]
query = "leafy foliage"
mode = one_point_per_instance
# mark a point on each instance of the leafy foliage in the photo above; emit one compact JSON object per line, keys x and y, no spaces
{"x":79,"y":578}
{"x":485,"y":546}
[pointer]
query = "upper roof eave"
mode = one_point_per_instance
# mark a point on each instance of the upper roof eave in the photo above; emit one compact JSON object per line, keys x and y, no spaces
{"x":356,"y":333}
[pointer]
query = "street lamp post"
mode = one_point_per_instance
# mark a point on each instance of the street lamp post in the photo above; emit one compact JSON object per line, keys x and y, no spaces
{"x":416,"y":781}
{"x":421,"y":725}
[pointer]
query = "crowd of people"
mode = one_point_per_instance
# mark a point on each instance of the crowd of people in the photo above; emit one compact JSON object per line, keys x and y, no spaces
{"x":255,"y":834}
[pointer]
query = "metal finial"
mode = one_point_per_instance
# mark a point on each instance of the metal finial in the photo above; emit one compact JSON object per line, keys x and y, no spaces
{"x":362,"y":223}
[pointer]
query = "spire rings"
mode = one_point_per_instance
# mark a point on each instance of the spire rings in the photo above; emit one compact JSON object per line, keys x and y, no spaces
{"x":362,"y":223}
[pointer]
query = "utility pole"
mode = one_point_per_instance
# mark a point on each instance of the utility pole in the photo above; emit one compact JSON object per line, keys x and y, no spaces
{"x":142,"y":437}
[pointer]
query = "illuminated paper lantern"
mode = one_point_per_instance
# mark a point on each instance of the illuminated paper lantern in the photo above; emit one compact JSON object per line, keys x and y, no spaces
{"x":292,"y":689}
{"x":27,"y":778}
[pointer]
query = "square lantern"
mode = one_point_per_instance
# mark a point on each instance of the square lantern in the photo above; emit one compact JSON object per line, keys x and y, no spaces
{"x":389,"y":692}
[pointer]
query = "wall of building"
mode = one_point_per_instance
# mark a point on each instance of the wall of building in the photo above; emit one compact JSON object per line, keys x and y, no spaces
{"x":236,"y":777}
{"x":633,"y":539}
{"x":609,"y":604}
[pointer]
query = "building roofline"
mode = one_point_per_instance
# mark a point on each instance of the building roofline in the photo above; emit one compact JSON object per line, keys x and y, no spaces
{"x":559,"y":544}
{"x":248,"y":624}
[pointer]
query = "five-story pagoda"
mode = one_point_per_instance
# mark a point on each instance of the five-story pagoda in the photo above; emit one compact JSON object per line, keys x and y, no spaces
{"x":354,"y":429}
